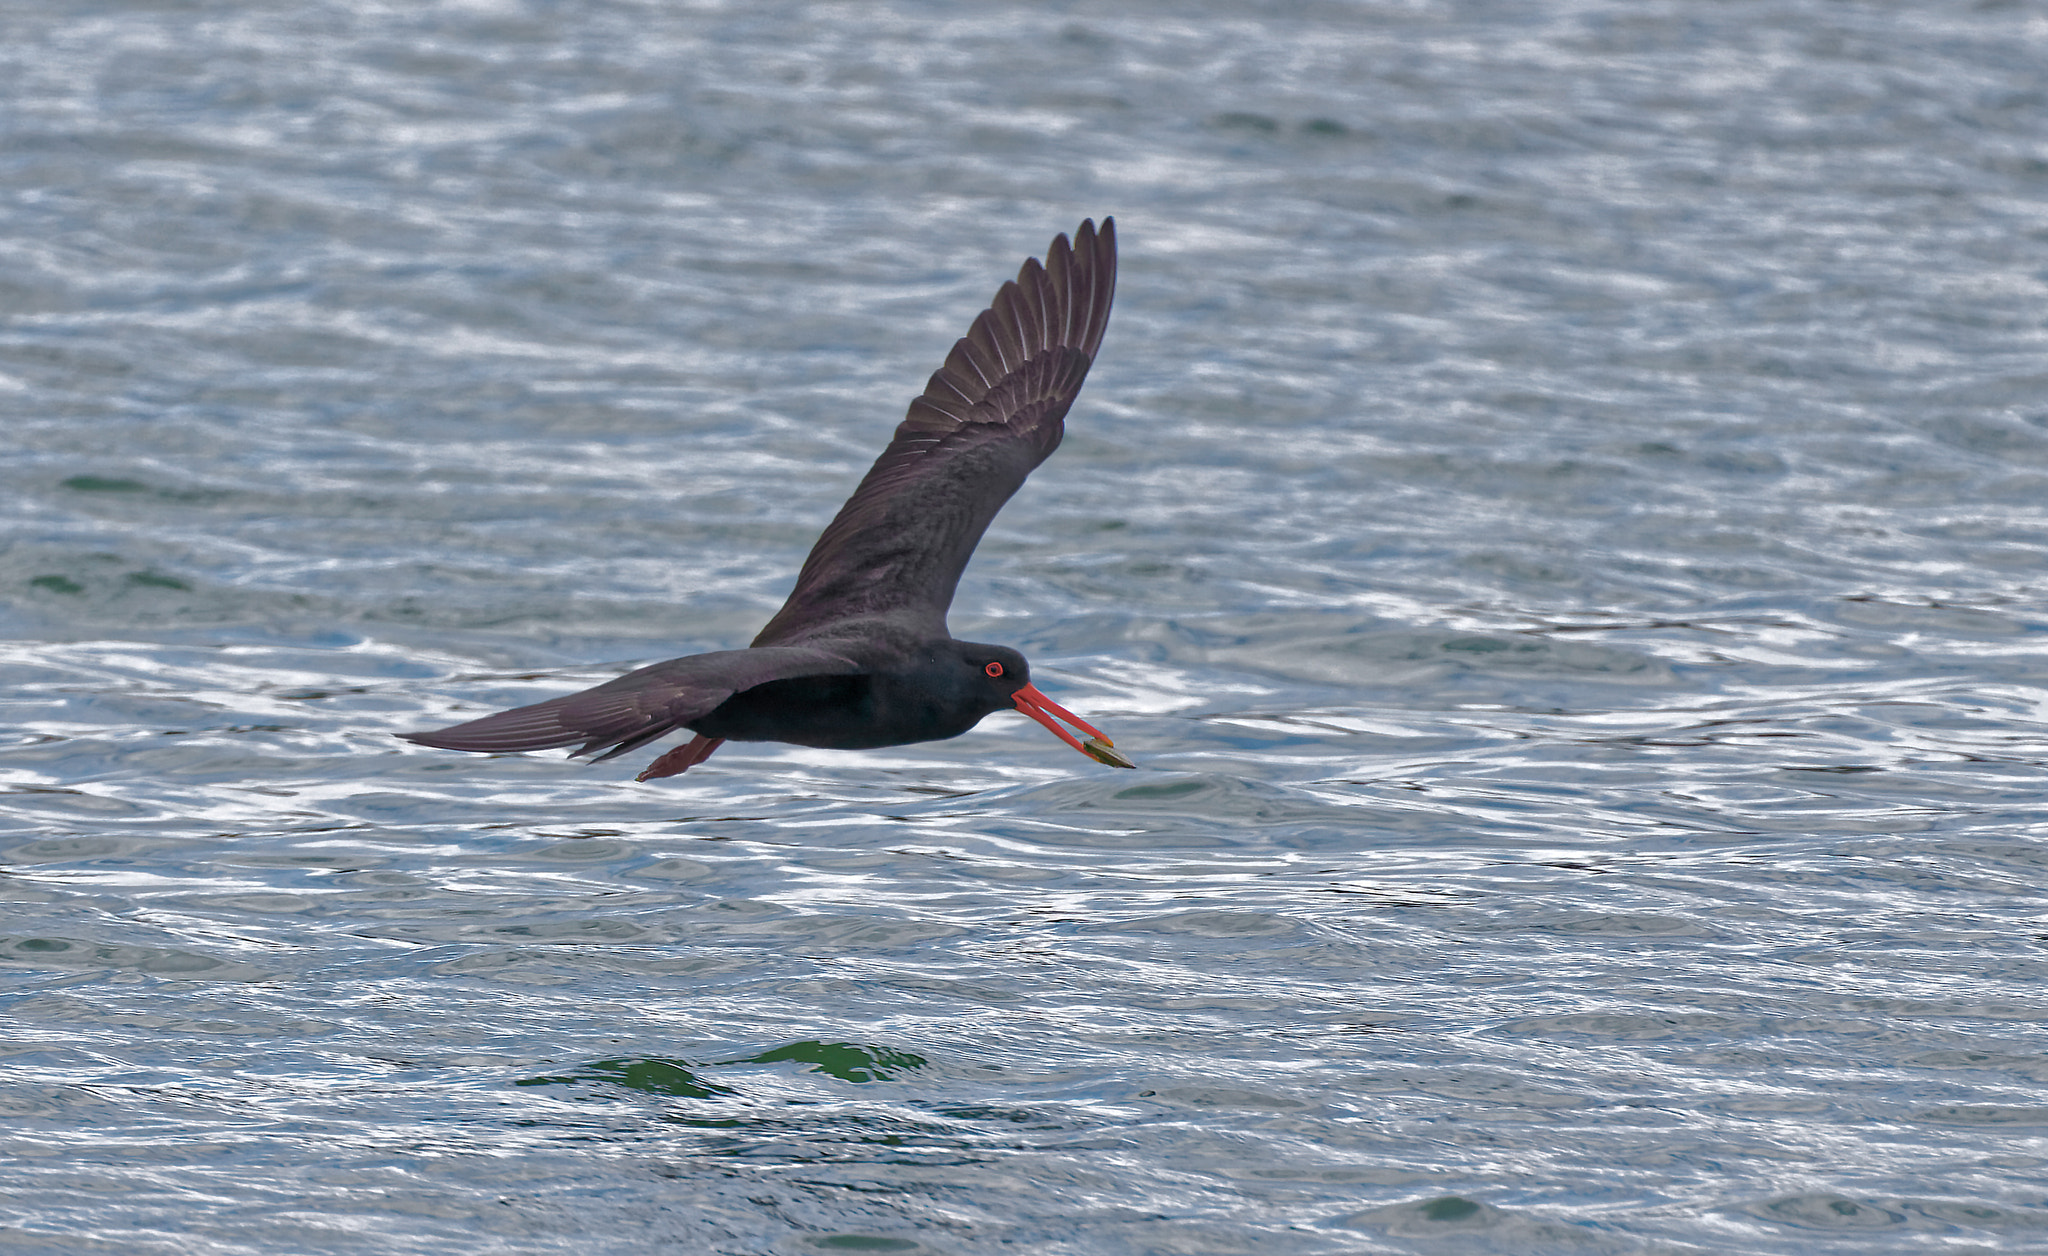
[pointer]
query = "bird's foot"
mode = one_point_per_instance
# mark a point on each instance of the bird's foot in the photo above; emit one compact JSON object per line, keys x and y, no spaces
{"x":682,"y":758}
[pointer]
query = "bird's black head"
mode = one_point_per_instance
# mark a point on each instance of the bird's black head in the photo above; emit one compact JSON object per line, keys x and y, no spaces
{"x":994,"y":671}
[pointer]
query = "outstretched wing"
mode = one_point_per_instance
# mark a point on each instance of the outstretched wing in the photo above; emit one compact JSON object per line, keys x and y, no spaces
{"x":636,"y":708}
{"x":990,"y":415}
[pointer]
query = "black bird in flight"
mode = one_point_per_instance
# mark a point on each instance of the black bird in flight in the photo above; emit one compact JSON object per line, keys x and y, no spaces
{"x":859,"y":656}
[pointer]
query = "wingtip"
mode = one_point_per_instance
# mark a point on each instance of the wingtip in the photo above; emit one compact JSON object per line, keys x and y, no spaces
{"x":436,"y":739}
{"x":1090,"y":230}
{"x":1086,"y":237}
{"x":505,"y":732}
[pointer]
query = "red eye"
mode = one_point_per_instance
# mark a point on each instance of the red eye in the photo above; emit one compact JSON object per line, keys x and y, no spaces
{"x":994,"y":669}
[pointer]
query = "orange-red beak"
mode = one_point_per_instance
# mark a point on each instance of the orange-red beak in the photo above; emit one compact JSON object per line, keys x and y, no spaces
{"x":1047,"y":712}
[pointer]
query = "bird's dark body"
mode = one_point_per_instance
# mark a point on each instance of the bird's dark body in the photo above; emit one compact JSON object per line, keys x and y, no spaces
{"x":930,"y":701}
{"x":829,"y":712}
{"x":859,"y":656}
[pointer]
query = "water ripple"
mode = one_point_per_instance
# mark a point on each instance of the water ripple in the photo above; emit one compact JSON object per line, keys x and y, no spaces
{"x":1558,"y":521}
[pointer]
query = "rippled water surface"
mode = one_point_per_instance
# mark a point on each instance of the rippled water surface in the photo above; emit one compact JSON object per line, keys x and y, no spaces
{"x":1560,"y":518}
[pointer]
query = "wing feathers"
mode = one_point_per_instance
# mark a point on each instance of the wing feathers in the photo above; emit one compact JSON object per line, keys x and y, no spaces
{"x":638,"y":707}
{"x":991,"y":414}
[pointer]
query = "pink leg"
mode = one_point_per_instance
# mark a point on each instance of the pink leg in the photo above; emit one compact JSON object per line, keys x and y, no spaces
{"x":682,"y":758}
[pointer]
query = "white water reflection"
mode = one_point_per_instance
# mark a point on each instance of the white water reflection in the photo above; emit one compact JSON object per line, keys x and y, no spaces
{"x":1558,"y":521}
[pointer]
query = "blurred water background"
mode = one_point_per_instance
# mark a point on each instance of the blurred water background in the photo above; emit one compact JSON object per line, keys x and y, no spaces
{"x":1559,"y":518}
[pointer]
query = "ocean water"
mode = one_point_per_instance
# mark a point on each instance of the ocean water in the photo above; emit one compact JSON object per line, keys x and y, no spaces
{"x":1561,"y":520}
